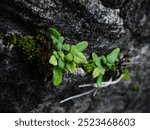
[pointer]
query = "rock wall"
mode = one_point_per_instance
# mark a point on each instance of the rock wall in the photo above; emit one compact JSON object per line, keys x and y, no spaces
{"x":105,"y":24}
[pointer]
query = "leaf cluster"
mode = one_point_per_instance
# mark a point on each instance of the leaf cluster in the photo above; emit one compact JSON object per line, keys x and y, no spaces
{"x":66,"y":56}
{"x":103,"y":64}
{"x":69,"y":57}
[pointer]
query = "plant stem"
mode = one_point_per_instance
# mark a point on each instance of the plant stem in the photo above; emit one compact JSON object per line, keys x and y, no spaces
{"x":77,"y":96}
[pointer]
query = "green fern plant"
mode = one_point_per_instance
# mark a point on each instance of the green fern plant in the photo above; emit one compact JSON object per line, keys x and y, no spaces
{"x":69,"y":57}
{"x":99,"y":65}
{"x":66,"y":57}
{"x":61,"y":56}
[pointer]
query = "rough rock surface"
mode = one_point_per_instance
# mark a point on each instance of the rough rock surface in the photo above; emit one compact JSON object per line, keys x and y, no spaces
{"x":106,"y":24}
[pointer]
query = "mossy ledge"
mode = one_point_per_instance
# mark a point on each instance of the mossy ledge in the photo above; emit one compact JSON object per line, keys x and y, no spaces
{"x":37,"y":49}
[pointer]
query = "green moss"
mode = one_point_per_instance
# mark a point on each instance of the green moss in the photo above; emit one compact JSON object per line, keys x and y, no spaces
{"x":12,"y":39}
{"x":28,"y":47}
{"x":135,"y":87}
{"x":36,"y":49}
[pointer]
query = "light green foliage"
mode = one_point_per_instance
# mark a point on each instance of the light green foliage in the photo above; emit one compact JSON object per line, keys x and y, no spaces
{"x":66,"y":47}
{"x":98,"y":70}
{"x":57,"y":59}
{"x":99,"y":80}
{"x":81,"y":46}
{"x":56,"y":38}
{"x":71,"y":67}
{"x":69,"y":57}
{"x":96,"y":59}
{"x":102,"y":65}
{"x":53,"y":60}
{"x":57,"y":76}
{"x":126,"y":75}
{"x":112,"y":57}
{"x":66,"y":57}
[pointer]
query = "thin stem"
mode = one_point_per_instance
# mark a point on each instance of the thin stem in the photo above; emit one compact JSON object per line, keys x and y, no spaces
{"x":104,"y":84}
{"x":131,"y":63}
{"x":77,"y":96}
{"x":95,"y":92}
{"x":85,"y":85}
{"x":116,"y":81}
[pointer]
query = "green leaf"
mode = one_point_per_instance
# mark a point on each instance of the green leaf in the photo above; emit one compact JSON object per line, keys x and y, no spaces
{"x":61,"y":64}
{"x":99,"y":80}
{"x":57,"y":76}
{"x":58,"y":46}
{"x":96,"y":59}
{"x":53,"y":60}
{"x":77,"y":60}
{"x":81,"y":46}
{"x":73,"y":49}
{"x":57,"y":42}
{"x":104,"y":60}
{"x":56,"y":55}
{"x":82,"y":57}
{"x":97,"y":71}
{"x":126,"y":75}
{"x":112,"y":57}
{"x":69,"y":57}
{"x":54,"y":33}
{"x":78,"y":54}
{"x":56,"y":38}
{"x":109,"y":65}
{"x":66,"y":47}
{"x":102,"y":70}
{"x":61,"y":54}
{"x":71,"y":67}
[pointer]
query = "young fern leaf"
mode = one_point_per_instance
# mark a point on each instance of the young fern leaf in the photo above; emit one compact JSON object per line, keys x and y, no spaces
{"x":77,"y":60}
{"x":103,"y":59}
{"x":58,"y":46}
{"x":99,"y":80}
{"x":69,"y":57}
{"x":53,"y":60}
{"x":61,"y":55}
{"x":57,"y":76}
{"x":54,"y":33}
{"x":112,"y":57}
{"x":66,"y":47}
{"x":82,"y":57}
{"x":61,"y":64}
{"x":96,"y":72}
{"x":56,"y":54}
{"x":71,"y":67}
{"x":81,"y":46}
{"x":96,"y":59}
{"x":56,"y":38}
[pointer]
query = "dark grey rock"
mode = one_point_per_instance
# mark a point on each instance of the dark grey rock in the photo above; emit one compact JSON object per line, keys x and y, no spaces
{"x":105,"y":24}
{"x":113,"y":3}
